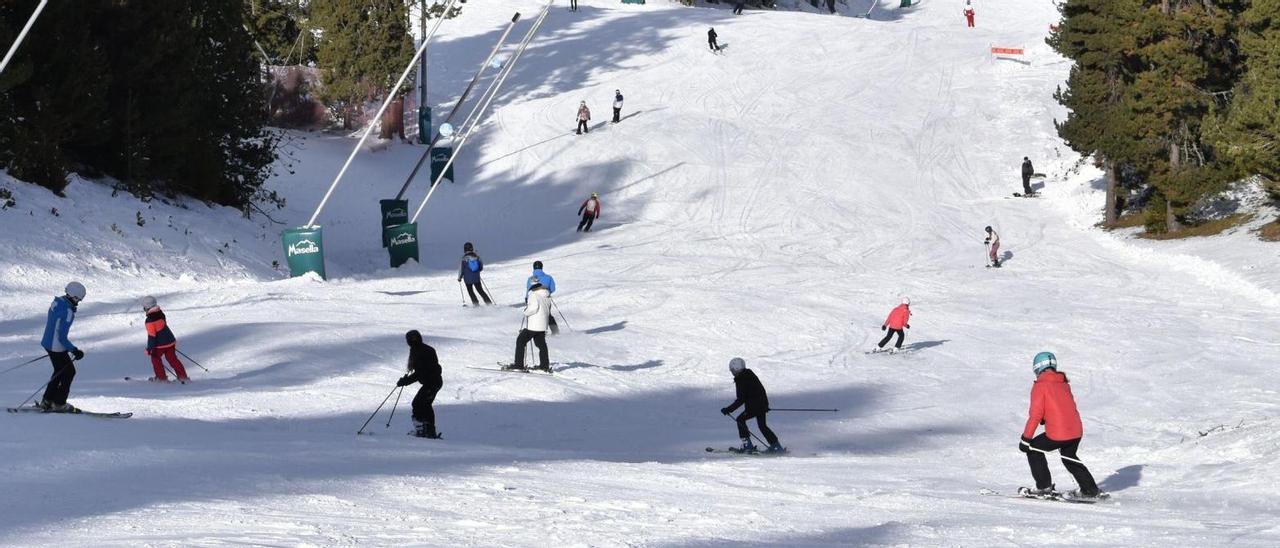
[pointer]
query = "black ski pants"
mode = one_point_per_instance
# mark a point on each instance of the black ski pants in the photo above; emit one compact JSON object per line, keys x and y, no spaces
{"x":617,"y":113}
{"x":573,"y":5}
{"x":582,"y":127}
{"x":1026,"y":184}
{"x":737,"y":8}
{"x":539,"y":339}
{"x":1067,"y":450}
{"x":749,"y":414}
{"x":422,"y":410}
{"x":714,"y":45}
{"x":471,"y":291}
{"x":64,"y":371}
{"x":585,"y":224}
{"x":901,"y":335}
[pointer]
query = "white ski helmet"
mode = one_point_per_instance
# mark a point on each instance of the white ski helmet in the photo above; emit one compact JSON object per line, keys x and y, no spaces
{"x":906,"y":301}
{"x":75,"y":290}
{"x":148,"y":302}
{"x":736,"y":366}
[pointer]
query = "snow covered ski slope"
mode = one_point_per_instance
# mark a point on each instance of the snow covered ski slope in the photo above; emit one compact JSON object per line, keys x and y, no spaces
{"x":774,"y":203}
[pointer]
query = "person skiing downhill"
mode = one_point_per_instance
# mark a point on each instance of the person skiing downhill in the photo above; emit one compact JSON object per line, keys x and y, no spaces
{"x":968,"y":13}
{"x":738,"y":5}
{"x":711,"y":40}
{"x":750,"y":392}
{"x":617,"y":105}
{"x":469,"y":273}
{"x":424,"y":367}
{"x":1027,"y":172}
{"x":898,"y":321}
{"x":993,"y":251}
{"x":537,"y":312}
{"x":62,"y":354}
{"x":1053,"y":406}
{"x":589,"y":210}
{"x":584,"y":116}
{"x":161,"y":343}
{"x":550,"y":284}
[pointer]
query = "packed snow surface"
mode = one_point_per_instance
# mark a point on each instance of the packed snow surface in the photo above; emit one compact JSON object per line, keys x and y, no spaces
{"x":772,"y":202}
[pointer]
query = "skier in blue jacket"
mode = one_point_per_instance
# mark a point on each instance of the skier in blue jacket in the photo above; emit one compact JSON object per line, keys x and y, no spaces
{"x":56,"y":329}
{"x":469,"y":272}
{"x":548,"y":282}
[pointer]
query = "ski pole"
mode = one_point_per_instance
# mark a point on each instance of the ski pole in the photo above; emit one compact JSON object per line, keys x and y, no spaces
{"x":557,"y":307}
{"x":29,"y":362}
{"x":184,"y":354}
{"x":464,"y":293}
{"x":375,"y":411}
{"x":486,"y":290}
{"x":753,"y":434}
{"x":394,"y":406}
{"x":809,"y":410}
{"x":1063,"y":457}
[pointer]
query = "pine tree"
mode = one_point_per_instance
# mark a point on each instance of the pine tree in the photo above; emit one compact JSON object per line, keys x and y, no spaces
{"x":1250,"y":134}
{"x":364,"y":45}
{"x":280,"y":28}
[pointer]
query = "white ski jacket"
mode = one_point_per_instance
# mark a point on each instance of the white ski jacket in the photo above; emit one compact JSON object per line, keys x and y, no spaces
{"x":537,"y":309}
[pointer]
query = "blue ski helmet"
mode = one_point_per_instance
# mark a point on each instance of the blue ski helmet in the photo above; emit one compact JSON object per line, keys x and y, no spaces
{"x":1044,"y":360}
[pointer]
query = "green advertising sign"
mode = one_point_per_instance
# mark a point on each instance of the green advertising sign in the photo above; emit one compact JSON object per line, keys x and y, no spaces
{"x":402,"y":243}
{"x":440,"y":157}
{"x":394,"y":212}
{"x":304,"y":250}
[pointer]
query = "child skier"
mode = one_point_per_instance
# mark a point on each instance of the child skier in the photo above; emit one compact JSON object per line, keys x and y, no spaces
{"x":750,"y":393}
{"x":1053,"y":406}
{"x":993,"y":249}
{"x":161,"y":343}
{"x":550,"y":284}
{"x":899,"y":320}
{"x":424,"y":367}
{"x":589,"y":210}
{"x":711,"y":40}
{"x":584,"y":116}
{"x":537,"y":312}
{"x":61,"y":352}
{"x":469,"y":271}
{"x":617,"y":105}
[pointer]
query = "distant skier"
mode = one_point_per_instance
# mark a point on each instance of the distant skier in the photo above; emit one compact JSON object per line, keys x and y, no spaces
{"x":831,"y":6}
{"x":573,"y":5}
{"x":968,"y":13}
{"x":711,"y":40}
{"x":584,"y":116}
{"x":617,"y":105}
{"x":752,"y":394}
{"x":537,"y":313}
{"x":469,"y":273}
{"x":62,"y":313}
{"x":1027,"y":172}
{"x":993,"y":247}
{"x":1053,"y":406}
{"x":589,"y":210}
{"x":550,"y":284}
{"x":424,"y":367}
{"x":161,"y":343}
{"x":738,"y":6}
{"x":898,"y":321}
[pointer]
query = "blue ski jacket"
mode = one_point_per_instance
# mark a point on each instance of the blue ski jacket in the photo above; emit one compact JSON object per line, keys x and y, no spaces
{"x":546,"y":280}
{"x":58,"y":325}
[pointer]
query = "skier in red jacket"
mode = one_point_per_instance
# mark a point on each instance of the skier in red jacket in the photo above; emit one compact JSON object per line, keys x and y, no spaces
{"x":589,"y":210}
{"x":968,"y":13}
{"x":897,"y":321}
{"x":1053,"y":406}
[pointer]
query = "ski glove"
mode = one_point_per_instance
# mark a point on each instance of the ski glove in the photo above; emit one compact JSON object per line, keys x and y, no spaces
{"x":78,"y":354}
{"x":725,"y":411}
{"x":908,"y":326}
{"x":405,"y":381}
{"x":987,"y":241}
{"x":147,"y":351}
{"x":1025,"y":444}
{"x":884,"y":328}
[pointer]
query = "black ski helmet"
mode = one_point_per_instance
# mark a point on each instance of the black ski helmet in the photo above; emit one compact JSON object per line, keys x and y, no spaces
{"x":988,"y":228}
{"x":413,"y":337}
{"x":467,"y":247}
{"x":537,"y":265}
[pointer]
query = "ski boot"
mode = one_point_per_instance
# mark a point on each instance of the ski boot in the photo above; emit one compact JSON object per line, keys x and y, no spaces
{"x":159,"y":379}
{"x":894,"y":350}
{"x":62,"y":408}
{"x":44,"y":404}
{"x":515,"y":367}
{"x":1045,"y":493}
{"x":546,"y":368}
{"x":1075,"y":494}
{"x":424,"y":430}
{"x":776,"y":447}
{"x":747,"y":447}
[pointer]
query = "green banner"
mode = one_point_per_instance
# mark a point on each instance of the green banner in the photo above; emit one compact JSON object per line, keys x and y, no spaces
{"x":424,"y":125}
{"x":394,"y":212}
{"x":440,"y":157}
{"x":304,"y":249}
{"x":402,"y":243}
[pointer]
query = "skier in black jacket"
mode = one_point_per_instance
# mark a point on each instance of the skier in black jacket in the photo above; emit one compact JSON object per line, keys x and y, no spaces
{"x":711,"y":40}
{"x":1027,"y":172}
{"x":751,"y":393}
{"x":424,"y":367}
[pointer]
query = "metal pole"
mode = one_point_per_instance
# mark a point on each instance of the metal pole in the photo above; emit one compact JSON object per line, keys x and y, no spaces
{"x":375,"y":411}
{"x":369,"y":129}
{"x":557,"y":307}
{"x":394,"y":406}
{"x":21,"y":35}
{"x":809,"y":410}
{"x":422,"y":76}
{"x":1063,"y":457}
{"x":192,"y":360}
{"x":28,"y":362}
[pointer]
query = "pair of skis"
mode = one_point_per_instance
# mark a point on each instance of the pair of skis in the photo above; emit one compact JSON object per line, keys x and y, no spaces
{"x":34,"y":409}
{"x":739,"y":451}
{"x":511,"y":368}
{"x":1026,"y":493}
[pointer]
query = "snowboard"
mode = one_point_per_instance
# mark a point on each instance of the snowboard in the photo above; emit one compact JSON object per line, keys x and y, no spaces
{"x":34,"y":409}
{"x":739,"y":451}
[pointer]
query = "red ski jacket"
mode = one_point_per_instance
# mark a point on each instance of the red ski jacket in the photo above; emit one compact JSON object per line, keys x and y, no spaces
{"x":593,"y":210}
{"x":1053,"y":405}
{"x":899,"y":318}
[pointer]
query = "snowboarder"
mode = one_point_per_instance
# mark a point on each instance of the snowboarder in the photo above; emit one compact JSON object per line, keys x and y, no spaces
{"x":424,"y":367}
{"x":993,"y":247}
{"x":750,"y":393}
{"x":589,"y":210}
{"x":469,"y":272}
{"x":1053,"y":406}
{"x":617,"y":105}
{"x":537,"y":313}
{"x":550,"y":284}
{"x":161,"y":343}
{"x":584,"y":116}
{"x":711,"y":40}
{"x":1027,"y":172}
{"x":898,"y":321}
{"x":738,"y":5}
{"x":968,"y":13}
{"x":62,"y":313}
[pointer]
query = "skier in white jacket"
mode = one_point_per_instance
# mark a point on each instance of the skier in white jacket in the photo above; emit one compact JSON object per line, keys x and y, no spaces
{"x":537,"y":311}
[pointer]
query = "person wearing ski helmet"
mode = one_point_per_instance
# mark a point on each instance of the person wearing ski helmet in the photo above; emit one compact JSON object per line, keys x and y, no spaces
{"x":897,"y":323}
{"x":993,"y":250}
{"x":711,"y":39}
{"x":161,"y":343}
{"x":537,"y":313}
{"x":584,"y":116}
{"x":550,"y":284}
{"x":469,"y":273}
{"x":617,"y":106}
{"x":1053,"y":406}
{"x":589,"y":210}
{"x":424,"y":367}
{"x":750,"y":392}
{"x":62,"y":354}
